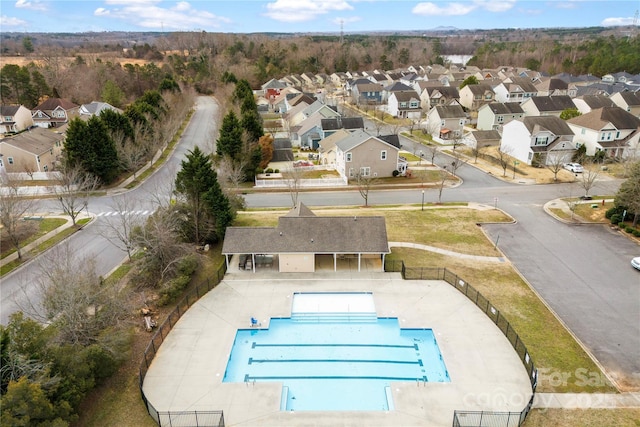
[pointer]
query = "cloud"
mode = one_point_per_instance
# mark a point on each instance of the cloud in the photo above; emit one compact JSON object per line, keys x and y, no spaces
{"x":148,"y":14}
{"x":614,"y":22}
{"x":457,"y":9}
{"x":303,"y":10}
{"x":31,"y":5}
{"x":450,"y":9}
{"x":7,"y":21}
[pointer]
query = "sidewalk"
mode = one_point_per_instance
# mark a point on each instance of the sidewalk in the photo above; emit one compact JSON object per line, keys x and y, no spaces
{"x":586,"y":400}
{"x":25,"y":249}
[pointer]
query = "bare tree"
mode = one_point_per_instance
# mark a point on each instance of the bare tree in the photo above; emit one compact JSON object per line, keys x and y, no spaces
{"x":554,"y":162}
{"x":73,"y":190}
{"x":431,"y":150}
{"x":444,"y":174}
{"x":504,"y":157}
{"x":75,"y":298}
{"x":456,"y":162}
{"x":378,"y":123}
{"x":231,"y":173}
{"x":14,"y":205}
{"x":118,"y":228}
{"x":365,"y":180}
{"x":588,"y":177}
{"x":294,"y":179}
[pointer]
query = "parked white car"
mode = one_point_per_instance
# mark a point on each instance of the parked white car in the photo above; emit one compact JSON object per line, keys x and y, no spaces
{"x":573,"y":167}
{"x":635,"y":263}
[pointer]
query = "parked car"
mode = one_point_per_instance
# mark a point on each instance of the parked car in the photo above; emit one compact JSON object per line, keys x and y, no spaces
{"x":635,"y":263}
{"x":573,"y":167}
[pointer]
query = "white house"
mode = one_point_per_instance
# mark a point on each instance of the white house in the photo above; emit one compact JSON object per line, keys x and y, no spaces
{"x":405,"y":105}
{"x":588,"y":103}
{"x":547,"y":105}
{"x":628,"y":101}
{"x":14,"y":118}
{"x":609,"y":129}
{"x":515,"y":89}
{"x":548,"y":138}
{"x":497,"y":114}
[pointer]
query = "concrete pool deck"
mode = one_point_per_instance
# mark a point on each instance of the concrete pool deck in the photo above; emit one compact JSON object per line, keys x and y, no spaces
{"x":187,"y":372}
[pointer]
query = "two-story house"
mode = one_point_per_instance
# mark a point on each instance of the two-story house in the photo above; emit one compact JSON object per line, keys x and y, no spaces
{"x":14,"y":118}
{"x":547,"y":105}
{"x":361,"y":154}
{"x":36,"y":150}
{"x":472,"y":97}
{"x":446,"y":122}
{"x":430,"y":96}
{"x":553,"y":86}
{"x":333,"y":124}
{"x":54,"y":112}
{"x":497,"y":114}
{"x":628,"y":101}
{"x":95,"y":108}
{"x":405,"y":105}
{"x":367,"y":93}
{"x":548,"y":138}
{"x":609,"y":129}
{"x":272,"y":88}
{"x":515,"y":89}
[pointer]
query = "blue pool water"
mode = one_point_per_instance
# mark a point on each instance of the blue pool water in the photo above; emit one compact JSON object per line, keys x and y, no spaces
{"x":333,"y":364}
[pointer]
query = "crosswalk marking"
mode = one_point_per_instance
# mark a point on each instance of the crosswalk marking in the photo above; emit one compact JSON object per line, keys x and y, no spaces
{"x":114,"y":213}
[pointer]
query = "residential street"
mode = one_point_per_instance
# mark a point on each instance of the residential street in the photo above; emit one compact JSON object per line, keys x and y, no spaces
{"x":582,"y":272}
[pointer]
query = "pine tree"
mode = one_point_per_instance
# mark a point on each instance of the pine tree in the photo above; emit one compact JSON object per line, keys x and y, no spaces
{"x":230,"y":141}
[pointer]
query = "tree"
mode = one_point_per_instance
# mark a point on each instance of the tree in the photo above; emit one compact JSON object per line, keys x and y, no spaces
{"x":443,"y":178}
{"x":588,"y":177}
{"x":14,"y":205}
{"x":554,"y":162}
{"x":266,"y":148}
{"x":193,"y":181}
{"x":471,"y":80}
{"x":26,"y":404}
{"x":504,"y":157}
{"x":365,"y":181}
{"x":118,"y":228}
{"x":73,"y":189}
{"x":570,"y":113}
{"x":628,"y":195}
{"x":230,"y":140}
{"x":89,"y":146}
{"x":456,"y":163}
{"x":112,"y":94}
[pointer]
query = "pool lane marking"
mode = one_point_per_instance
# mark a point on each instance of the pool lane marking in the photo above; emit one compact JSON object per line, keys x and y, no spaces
{"x":248,"y":378}
{"x":402,"y":362}
{"x":414,"y":346}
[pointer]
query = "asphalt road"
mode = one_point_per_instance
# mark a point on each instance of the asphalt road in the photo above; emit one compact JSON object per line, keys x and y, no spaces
{"x":582,"y":272}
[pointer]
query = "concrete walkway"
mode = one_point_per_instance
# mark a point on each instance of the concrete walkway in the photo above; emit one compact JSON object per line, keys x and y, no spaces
{"x":446,"y":252}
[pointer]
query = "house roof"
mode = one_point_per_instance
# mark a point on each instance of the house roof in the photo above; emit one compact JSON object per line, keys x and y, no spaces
{"x":8,"y":110}
{"x":505,"y":108}
{"x":453,"y":111}
{"x":35,"y":141}
{"x":334,"y":123}
{"x":479,"y":89}
{"x":274,"y":84}
{"x":597,"y":101}
{"x":329,"y":142}
{"x":356,"y":138}
{"x":552,"y":83}
{"x":631,"y":98}
{"x":304,"y":232}
{"x":446,"y":91}
{"x":486,"y":135}
{"x":368,"y":87}
{"x":391,"y":139}
{"x":398,"y":87}
{"x":52,"y":103}
{"x":599,"y":118}
{"x":553,"y":103}
{"x":97,"y":107}
{"x":522,"y":83}
{"x":553,"y":124}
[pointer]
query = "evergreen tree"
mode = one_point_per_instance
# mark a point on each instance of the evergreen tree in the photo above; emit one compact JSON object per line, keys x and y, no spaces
{"x":252,"y":123}
{"x":112,"y":94}
{"x":628,"y":196}
{"x":116,"y":122}
{"x":230,"y":141}
{"x":90,"y":146}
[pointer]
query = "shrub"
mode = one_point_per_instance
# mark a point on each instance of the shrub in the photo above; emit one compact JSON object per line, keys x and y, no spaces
{"x":259,"y":170}
{"x":395,"y":173}
{"x":276,"y":171}
{"x":269,"y":170}
{"x":621,"y":225}
{"x":172,"y":289}
{"x":636,"y":233}
{"x":615,"y":218}
{"x":610,"y":212}
{"x":629,"y":229}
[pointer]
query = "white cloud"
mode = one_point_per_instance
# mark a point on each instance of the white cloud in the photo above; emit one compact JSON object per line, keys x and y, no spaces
{"x":450,"y":9}
{"x":32,"y":5}
{"x":303,"y":10}
{"x":496,"y":6}
{"x":7,"y":21}
{"x":614,"y":22}
{"x":147,"y":14}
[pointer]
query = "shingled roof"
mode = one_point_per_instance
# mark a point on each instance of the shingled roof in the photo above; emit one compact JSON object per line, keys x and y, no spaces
{"x":553,"y":124}
{"x":301,"y":231}
{"x":506,"y":108}
{"x":553,"y":103}
{"x":599,"y":118}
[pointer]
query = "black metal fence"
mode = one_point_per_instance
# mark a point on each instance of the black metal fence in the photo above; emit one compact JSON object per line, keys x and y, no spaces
{"x":477,"y":418}
{"x":187,"y":418}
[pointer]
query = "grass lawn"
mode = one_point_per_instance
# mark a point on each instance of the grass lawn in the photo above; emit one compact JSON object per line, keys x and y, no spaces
{"x":619,"y":417}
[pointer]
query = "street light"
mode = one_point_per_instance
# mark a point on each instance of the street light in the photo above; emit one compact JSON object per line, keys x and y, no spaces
{"x":422,"y":199}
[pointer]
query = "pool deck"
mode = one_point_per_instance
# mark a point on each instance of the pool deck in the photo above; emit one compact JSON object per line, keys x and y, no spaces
{"x":187,"y":372}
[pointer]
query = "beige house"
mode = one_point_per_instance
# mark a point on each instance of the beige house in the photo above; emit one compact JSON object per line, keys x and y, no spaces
{"x":54,"y":112}
{"x":302,"y":240}
{"x":14,"y":118}
{"x":363,"y":155}
{"x":36,"y":150}
{"x":446,"y":122}
{"x":327,"y":146}
{"x":472,"y":97}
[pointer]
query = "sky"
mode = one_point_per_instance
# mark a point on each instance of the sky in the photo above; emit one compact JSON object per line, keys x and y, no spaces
{"x":295,"y":16}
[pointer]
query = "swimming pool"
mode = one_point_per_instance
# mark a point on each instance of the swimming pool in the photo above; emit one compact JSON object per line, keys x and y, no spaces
{"x":338,"y":362}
